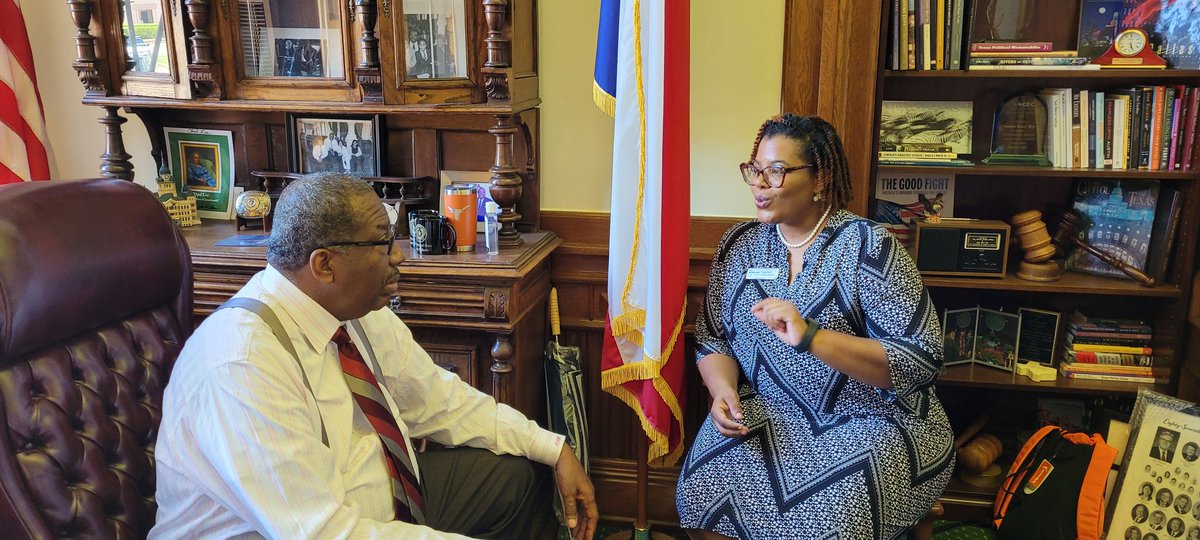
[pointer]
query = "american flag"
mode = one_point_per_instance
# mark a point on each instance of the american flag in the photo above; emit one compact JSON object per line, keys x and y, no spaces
{"x":904,"y":231}
{"x":24,"y":146}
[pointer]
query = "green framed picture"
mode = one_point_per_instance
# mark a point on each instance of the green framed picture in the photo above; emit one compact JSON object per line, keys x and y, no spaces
{"x":201,"y":161}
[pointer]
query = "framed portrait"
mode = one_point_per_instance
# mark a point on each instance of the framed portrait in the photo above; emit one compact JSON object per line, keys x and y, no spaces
{"x":960,"y":330}
{"x":334,"y":143}
{"x":201,"y":160}
{"x":436,"y":39}
{"x":944,"y":124}
{"x":1158,"y":487}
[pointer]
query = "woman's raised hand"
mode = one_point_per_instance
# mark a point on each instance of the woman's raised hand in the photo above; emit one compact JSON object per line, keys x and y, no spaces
{"x":782,"y":318}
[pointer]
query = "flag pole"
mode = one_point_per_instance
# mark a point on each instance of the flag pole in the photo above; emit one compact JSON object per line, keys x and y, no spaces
{"x":641,"y":524}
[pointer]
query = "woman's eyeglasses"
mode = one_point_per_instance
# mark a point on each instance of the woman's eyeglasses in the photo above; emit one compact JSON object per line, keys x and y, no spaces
{"x":774,"y":174}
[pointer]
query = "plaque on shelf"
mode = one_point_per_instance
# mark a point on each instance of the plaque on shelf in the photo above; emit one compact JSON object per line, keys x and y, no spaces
{"x":1019,"y":131}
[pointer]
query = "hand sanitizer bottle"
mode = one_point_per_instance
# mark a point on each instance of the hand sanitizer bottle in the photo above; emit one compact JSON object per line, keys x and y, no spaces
{"x":491,"y":236}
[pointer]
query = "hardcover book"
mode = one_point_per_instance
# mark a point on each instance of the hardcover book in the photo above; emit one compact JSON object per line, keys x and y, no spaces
{"x":940,"y":122}
{"x":902,"y":198}
{"x":1099,"y":22}
{"x":1120,"y":219}
{"x":1173,"y":25}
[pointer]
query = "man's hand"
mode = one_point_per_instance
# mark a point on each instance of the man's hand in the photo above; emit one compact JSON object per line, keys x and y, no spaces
{"x":576,"y":490}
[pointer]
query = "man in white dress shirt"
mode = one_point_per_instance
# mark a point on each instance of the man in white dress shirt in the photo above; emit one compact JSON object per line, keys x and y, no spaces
{"x":240,"y":451}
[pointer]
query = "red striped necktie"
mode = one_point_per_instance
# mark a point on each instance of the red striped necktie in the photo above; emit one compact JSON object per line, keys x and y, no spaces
{"x":410,"y":503}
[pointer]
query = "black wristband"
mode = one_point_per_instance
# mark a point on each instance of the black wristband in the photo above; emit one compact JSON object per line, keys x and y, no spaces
{"x":809,"y":331}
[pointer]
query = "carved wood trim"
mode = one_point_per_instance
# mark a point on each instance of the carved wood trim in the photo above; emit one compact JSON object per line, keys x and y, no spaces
{"x":114,"y":163}
{"x":203,"y":70}
{"x":368,"y":72}
{"x":506,"y":183}
{"x":87,"y":65}
{"x":497,"y":66}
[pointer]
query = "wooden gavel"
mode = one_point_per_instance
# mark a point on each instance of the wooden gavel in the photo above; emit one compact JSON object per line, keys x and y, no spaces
{"x":1067,"y":235}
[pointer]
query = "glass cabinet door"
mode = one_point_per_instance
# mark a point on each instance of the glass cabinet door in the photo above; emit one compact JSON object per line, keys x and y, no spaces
{"x":150,"y":49}
{"x":146,"y":46}
{"x":292,"y":50}
{"x":288,"y":38}
{"x":436,"y":44}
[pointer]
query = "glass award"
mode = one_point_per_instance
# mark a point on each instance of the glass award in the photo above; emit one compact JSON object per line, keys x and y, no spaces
{"x":1019,"y":132}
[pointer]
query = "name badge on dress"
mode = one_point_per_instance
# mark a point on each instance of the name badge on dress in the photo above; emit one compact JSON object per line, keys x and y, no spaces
{"x":762,"y":273}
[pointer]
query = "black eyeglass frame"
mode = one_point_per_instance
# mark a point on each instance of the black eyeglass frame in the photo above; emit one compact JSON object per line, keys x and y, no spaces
{"x":750,"y":173}
{"x":390,"y":243}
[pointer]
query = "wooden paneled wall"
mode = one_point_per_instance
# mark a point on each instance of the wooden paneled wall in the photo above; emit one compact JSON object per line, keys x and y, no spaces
{"x":579,"y":269}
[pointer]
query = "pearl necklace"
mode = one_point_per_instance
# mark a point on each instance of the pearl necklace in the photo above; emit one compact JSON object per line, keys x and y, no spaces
{"x":811,"y":234}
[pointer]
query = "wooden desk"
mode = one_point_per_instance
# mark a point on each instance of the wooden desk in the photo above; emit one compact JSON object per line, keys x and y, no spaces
{"x":480,"y":316}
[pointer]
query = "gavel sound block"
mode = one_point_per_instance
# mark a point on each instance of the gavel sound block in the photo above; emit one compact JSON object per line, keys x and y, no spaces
{"x":1067,"y":236}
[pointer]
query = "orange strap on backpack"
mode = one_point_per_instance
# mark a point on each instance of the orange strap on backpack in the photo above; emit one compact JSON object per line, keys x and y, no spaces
{"x":1090,"y":516}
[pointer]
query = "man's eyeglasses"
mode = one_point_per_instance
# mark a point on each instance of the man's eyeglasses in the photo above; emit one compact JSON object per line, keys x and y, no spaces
{"x":390,"y":243}
{"x":774,"y":174}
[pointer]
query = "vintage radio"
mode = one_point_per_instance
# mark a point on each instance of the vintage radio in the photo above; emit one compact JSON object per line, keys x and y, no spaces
{"x":962,"y":247}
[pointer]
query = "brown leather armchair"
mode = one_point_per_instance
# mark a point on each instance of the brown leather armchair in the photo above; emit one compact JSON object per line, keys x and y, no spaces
{"x":95,"y":304}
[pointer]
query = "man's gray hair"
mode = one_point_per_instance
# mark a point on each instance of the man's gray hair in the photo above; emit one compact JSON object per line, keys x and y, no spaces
{"x":313,"y":211}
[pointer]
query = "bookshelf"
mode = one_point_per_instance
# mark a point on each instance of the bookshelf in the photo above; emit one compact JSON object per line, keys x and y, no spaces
{"x":997,"y":192}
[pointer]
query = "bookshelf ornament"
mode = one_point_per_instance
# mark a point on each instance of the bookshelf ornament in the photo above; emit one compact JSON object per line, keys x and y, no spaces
{"x":1131,"y":49}
{"x":1019,"y":131}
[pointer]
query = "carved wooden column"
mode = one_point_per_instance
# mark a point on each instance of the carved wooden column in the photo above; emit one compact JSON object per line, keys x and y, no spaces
{"x":114,"y":163}
{"x":506,"y":183}
{"x":370,"y":79}
{"x":502,"y":352}
{"x":203,"y":70}
{"x":87,"y":66}
{"x":496,"y":68}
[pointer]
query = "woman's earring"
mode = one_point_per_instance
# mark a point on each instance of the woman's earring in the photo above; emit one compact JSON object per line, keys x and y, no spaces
{"x":816,"y":197}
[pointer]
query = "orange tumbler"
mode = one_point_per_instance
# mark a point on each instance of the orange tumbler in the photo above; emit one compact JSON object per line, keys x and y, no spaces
{"x":458,"y":204}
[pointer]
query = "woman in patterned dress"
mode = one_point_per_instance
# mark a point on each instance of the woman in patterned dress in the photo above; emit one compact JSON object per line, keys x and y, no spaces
{"x":819,"y":346}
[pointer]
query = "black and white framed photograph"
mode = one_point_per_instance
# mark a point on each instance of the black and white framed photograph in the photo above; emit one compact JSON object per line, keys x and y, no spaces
{"x":1158,"y":487}
{"x":435,"y":45}
{"x":295,"y":57}
{"x":919,"y":123}
{"x":334,"y":143}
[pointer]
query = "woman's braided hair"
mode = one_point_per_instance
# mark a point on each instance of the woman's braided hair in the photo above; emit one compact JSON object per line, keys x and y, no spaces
{"x":821,"y":145}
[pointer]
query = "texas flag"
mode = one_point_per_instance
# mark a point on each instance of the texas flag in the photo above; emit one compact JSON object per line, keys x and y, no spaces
{"x":642,"y":82}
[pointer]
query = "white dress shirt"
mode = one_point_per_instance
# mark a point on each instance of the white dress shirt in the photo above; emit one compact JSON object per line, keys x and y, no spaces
{"x":239,"y":452}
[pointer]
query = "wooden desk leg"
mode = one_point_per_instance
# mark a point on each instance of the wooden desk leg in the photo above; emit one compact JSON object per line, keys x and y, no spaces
{"x":502,"y":352}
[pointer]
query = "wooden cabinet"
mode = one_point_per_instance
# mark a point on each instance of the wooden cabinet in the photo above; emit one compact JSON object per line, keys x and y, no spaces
{"x":841,"y":76}
{"x":455,"y":82}
{"x":481,"y":316}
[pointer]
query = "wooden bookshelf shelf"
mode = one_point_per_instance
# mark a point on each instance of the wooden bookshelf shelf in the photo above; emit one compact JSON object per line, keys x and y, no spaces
{"x":975,"y":375}
{"x":1071,"y":282}
{"x":1045,"y":172}
{"x":1073,"y":74}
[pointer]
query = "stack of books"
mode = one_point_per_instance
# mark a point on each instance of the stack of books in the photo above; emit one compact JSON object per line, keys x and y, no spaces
{"x":935,"y":154}
{"x":1111,"y":350}
{"x":1024,"y":55}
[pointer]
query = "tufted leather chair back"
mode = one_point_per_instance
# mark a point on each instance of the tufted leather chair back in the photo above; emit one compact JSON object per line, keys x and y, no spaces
{"x":95,"y":304}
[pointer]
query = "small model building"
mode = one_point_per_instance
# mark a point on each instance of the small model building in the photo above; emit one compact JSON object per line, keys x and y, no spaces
{"x":181,"y":208}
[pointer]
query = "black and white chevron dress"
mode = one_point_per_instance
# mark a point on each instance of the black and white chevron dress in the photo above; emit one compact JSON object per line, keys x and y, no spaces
{"x":827,"y":456}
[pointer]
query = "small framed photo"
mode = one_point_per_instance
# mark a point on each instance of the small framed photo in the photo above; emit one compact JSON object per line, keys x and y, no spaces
{"x":1039,"y":335}
{"x":1157,"y":487}
{"x":334,"y":143}
{"x":201,"y":160}
{"x":298,"y":57}
{"x":996,"y":339}
{"x":960,"y":330}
